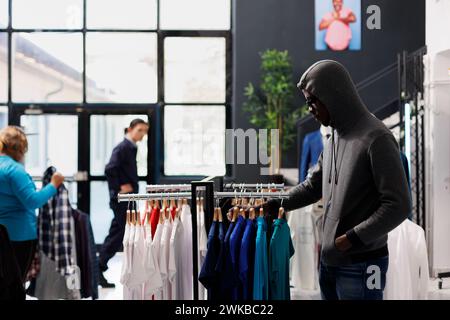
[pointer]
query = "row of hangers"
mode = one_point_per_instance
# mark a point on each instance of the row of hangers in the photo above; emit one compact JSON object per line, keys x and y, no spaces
{"x":237,"y":202}
{"x":166,"y":206}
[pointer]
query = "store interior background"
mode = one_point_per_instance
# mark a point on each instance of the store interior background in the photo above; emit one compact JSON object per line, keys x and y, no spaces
{"x":76,"y":132}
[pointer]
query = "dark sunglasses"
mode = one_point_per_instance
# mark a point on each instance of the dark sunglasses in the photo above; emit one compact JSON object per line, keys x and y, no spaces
{"x":310,"y":101}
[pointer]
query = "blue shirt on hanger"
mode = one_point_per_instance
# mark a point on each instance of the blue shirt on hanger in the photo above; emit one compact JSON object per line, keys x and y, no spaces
{"x":311,"y":148}
{"x":235,"y":247}
{"x":247,"y":260}
{"x":281,"y":250}
{"x":208,"y":275}
{"x":225,"y":268}
{"x":261,"y":273}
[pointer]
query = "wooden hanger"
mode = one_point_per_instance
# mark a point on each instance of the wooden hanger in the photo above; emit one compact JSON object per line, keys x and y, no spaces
{"x":149,"y":216}
{"x":172,"y":203}
{"x":161,"y":215}
{"x":133,"y":217}
{"x":261,"y":212}
{"x":242,"y":213}
{"x":219,"y":214}
{"x":215,"y":215}
{"x":233,"y":202}
{"x":252,"y":214}
{"x":235,"y":214}
{"x":138,"y":217}
{"x":128,"y":217}
{"x":185,"y":202}
{"x":281,"y":213}
{"x":164,"y":204}
{"x":167,"y":213}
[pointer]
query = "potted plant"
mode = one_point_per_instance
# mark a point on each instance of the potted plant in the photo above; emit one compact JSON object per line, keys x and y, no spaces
{"x":271,"y":106}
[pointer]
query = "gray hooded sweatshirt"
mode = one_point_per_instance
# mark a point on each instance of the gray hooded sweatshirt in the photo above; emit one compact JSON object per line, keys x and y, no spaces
{"x":359,"y":175}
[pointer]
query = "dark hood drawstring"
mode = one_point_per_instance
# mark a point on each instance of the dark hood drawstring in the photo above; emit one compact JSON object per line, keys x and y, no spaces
{"x":334,"y":156}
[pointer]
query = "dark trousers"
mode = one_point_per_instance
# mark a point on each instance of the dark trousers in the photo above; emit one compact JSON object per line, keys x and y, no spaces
{"x":359,"y":281}
{"x":24,"y":252}
{"x":113,"y":241}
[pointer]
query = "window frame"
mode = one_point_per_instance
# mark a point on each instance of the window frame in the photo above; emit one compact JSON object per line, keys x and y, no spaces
{"x":155,"y":111}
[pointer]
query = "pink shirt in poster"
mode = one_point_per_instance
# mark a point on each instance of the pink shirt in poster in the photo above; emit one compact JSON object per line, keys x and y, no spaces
{"x":338,"y":34}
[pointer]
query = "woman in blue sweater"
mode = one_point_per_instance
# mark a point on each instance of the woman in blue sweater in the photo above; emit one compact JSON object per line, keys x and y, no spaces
{"x":18,"y":196}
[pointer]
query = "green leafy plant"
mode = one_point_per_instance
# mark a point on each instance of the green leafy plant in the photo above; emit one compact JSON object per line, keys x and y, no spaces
{"x":271,"y":106}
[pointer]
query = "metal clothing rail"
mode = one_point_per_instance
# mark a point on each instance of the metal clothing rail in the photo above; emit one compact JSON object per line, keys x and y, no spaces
{"x":147,"y":196}
{"x":250,"y":194}
{"x":163,"y":187}
{"x":254,"y":186}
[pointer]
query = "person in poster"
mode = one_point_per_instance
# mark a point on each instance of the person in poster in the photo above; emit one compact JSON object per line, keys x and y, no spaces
{"x":337,"y":26}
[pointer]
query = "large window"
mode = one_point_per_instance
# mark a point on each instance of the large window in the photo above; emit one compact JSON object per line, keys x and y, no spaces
{"x":80,"y":70}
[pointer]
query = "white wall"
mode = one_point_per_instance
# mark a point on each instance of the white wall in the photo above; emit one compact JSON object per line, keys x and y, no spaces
{"x":437,"y":98}
{"x":437,"y":25}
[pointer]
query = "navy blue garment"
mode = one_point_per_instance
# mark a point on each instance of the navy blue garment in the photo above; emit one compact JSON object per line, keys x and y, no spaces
{"x":122,"y":168}
{"x":311,"y":150}
{"x":235,"y":247}
{"x":408,"y":176}
{"x":95,"y":270}
{"x":86,"y":255}
{"x":247,"y":260}
{"x":208,"y":275}
{"x":225,"y":268}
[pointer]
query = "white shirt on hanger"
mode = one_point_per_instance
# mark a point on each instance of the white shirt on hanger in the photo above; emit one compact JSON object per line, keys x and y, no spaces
{"x":175,"y":260}
{"x":153,"y":276}
{"x":138,"y":275}
{"x":186,"y":252}
{"x":164,"y":259}
{"x":156,"y":246}
{"x":408,"y":275}
{"x":127,"y":292}
{"x":304,"y":267}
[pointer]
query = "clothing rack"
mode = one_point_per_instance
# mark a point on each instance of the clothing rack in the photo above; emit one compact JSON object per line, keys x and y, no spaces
{"x":209,"y":197}
{"x":279,"y":186}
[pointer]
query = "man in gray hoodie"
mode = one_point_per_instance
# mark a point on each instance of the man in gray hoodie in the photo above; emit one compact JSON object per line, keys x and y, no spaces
{"x":361,"y":180}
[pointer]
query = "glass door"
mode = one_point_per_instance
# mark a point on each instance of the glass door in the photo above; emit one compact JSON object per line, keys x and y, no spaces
{"x":52,"y":141}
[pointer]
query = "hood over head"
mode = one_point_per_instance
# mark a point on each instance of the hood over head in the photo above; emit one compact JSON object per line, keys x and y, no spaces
{"x":330,"y":82}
